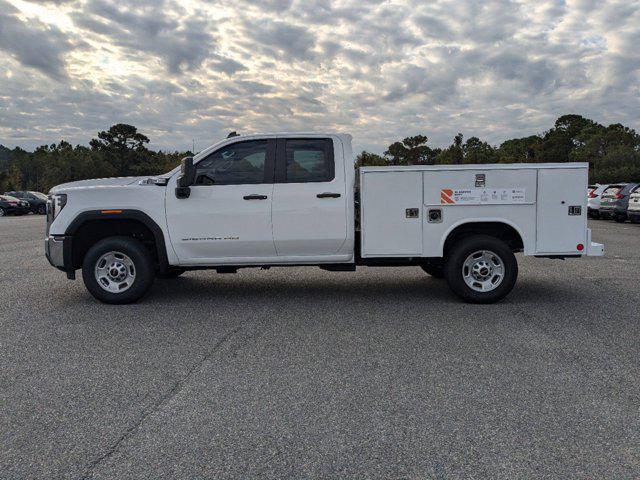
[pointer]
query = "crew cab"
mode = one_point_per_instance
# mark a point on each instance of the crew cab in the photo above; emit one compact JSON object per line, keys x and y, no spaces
{"x":297,"y":200}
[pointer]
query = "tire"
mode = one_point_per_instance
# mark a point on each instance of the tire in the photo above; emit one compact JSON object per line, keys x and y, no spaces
{"x":620,"y":219}
{"x":124,"y":256}
{"x":2,"y":212}
{"x":436,"y":271}
{"x":171,"y":273}
{"x":463,"y":257}
{"x":42,"y":209}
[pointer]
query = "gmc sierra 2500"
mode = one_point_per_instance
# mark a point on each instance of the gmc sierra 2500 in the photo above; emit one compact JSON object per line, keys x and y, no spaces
{"x":290,"y":199}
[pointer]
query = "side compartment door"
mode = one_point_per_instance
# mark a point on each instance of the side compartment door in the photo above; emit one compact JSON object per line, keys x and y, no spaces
{"x":228,"y":214}
{"x":309,"y":198}
{"x":562,"y":210}
{"x":391,"y":213}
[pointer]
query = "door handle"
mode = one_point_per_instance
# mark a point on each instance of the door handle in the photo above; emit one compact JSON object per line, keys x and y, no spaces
{"x":255,"y":197}
{"x":328,"y":195}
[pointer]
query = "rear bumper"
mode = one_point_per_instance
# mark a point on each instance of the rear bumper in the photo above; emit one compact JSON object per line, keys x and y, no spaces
{"x":613,"y":210}
{"x":634,"y":215}
{"x":11,"y":210}
{"x":593,"y":249}
{"x":607,"y":209}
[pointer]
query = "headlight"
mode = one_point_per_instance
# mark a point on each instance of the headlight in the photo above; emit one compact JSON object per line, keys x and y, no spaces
{"x":55,"y":204}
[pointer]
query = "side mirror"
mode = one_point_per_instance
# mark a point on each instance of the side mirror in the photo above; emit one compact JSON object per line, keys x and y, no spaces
{"x":186,"y":178}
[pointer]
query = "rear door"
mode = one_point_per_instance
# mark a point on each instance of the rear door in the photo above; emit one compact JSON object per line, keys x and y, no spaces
{"x":309,"y":198}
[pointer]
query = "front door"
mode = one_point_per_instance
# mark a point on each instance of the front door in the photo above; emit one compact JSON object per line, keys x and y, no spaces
{"x":309,"y":198}
{"x":227,"y":217}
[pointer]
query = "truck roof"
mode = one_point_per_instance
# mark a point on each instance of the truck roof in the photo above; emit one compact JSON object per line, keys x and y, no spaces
{"x":290,"y":134}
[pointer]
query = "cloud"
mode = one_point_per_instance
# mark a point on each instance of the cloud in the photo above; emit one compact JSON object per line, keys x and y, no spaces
{"x":33,"y":43}
{"x":196,"y":69}
{"x":182,"y":42}
{"x":280,"y":39}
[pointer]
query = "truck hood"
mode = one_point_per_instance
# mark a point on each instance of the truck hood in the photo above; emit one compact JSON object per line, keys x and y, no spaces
{"x":97,"y":182}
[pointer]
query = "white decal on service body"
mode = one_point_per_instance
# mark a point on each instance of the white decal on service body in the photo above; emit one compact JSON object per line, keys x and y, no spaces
{"x":481,"y":196}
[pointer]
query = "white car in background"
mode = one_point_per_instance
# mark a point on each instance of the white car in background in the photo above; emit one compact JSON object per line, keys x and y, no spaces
{"x":633,"y":210}
{"x":594,"y":196}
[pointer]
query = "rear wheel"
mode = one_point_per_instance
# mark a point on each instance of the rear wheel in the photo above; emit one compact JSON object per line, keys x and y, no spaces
{"x":2,"y":212}
{"x":620,"y":219}
{"x":481,"y":269}
{"x":42,"y":209}
{"x":118,"y":270}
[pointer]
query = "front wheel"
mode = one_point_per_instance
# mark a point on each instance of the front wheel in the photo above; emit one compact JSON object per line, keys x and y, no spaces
{"x":481,"y":269}
{"x":118,"y":270}
{"x":42,"y":209}
{"x":3,"y":213}
{"x":620,"y":218}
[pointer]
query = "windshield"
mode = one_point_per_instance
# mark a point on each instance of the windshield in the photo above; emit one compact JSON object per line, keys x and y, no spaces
{"x":42,"y":196}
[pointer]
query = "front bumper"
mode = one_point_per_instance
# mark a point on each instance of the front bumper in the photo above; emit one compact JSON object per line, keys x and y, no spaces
{"x":54,"y":250}
{"x":57,"y":249}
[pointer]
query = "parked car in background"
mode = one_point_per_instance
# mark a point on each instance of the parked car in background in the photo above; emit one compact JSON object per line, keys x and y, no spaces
{"x":615,"y":200}
{"x":633,"y":210}
{"x":37,"y":201}
{"x":594,"y":193}
{"x":12,"y":206}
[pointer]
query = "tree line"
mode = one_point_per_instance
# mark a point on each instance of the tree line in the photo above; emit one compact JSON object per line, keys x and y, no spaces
{"x":118,"y":152}
{"x":613,"y":154}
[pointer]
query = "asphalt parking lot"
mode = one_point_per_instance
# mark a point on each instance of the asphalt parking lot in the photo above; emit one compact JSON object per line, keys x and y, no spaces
{"x":301,"y":373}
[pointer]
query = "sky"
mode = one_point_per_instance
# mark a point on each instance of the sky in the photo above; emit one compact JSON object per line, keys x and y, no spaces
{"x":186,"y":71}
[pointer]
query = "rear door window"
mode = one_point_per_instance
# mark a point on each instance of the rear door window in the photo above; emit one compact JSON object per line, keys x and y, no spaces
{"x":308,"y":160}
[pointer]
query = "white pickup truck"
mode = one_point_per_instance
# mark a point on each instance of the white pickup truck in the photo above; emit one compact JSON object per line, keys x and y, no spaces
{"x":296,"y":199}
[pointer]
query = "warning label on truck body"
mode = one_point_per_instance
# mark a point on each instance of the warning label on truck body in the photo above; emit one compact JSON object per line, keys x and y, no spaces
{"x":482,"y":196}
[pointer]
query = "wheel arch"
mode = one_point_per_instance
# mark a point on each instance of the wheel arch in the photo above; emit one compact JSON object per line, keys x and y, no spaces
{"x":90,"y":226}
{"x":500,"y":228}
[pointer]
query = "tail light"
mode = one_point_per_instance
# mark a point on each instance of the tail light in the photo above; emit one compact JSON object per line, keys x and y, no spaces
{"x":592,"y":194}
{"x":13,"y":203}
{"x":619,"y":196}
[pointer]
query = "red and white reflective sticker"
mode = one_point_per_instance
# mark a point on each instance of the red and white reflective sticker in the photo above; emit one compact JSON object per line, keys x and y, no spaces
{"x":482,"y":196}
